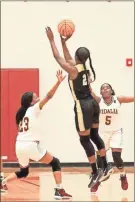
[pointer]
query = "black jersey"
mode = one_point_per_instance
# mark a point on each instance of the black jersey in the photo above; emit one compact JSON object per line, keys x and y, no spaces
{"x":80,"y":86}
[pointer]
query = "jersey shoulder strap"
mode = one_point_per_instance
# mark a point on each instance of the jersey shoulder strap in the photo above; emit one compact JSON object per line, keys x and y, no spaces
{"x":81,"y":68}
{"x":116,"y":99}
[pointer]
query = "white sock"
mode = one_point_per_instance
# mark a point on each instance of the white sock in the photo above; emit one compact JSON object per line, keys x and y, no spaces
{"x":59,"y":186}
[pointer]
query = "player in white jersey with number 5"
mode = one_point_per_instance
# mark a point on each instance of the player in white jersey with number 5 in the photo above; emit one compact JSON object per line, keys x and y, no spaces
{"x":110,"y":126}
{"x":28,"y":139}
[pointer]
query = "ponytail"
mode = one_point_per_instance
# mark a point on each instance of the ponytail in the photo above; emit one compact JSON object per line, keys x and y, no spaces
{"x":26,"y":101}
{"x":20,"y":114}
{"x":83,"y":54}
{"x":86,"y":73}
{"x":92,"y":69}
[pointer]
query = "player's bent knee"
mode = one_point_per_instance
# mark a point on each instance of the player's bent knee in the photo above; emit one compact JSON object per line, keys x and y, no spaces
{"x":118,"y":160}
{"x":87,"y":145}
{"x":97,"y":139}
{"x":22,"y":173}
{"x":55,"y":163}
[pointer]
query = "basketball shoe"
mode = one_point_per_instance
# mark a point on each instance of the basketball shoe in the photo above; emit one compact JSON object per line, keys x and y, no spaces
{"x":61,"y":194}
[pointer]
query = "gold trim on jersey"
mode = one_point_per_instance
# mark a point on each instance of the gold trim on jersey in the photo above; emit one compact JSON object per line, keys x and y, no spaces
{"x":80,"y":116}
{"x":78,"y":108}
{"x":72,"y":89}
{"x":80,"y":67}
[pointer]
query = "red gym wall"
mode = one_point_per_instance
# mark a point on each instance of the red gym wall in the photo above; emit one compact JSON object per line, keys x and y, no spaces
{"x":14,"y":82}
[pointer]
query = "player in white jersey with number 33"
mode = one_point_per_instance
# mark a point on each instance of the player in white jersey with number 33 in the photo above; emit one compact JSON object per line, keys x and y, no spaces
{"x":110,"y":126}
{"x":28,"y":139}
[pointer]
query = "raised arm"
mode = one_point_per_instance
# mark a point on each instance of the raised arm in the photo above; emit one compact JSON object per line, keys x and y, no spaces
{"x":125,"y":99}
{"x":51,"y":93}
{"x":61,"y":61}
{"x":66,"y":53}
{"x":97,"y":98}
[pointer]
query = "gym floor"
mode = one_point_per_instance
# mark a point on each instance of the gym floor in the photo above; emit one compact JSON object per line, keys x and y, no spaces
{"x":39,"y":186}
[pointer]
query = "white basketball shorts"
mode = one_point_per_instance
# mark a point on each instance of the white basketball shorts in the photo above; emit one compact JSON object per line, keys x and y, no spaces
{"x":28,"y":150}
{"x":112,"y":139}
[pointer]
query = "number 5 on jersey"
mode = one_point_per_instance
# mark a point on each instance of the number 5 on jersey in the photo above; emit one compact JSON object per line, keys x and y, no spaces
{"x":108,"y":120}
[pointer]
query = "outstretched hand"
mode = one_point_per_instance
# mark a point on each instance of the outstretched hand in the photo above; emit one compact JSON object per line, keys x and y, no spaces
{"x":60,"y":76}
{"x":49,"y":33}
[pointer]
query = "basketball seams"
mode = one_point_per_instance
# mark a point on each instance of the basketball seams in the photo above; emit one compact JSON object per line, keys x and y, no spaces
{"x":67,"y":21}
{"x":66,"y":27}
{"x":61,"y":29}
{"x":70,"y":28}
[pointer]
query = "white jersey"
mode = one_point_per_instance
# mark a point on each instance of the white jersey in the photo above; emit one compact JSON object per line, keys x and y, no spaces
{"x":110,"y":118}
{"x":29,"y":127}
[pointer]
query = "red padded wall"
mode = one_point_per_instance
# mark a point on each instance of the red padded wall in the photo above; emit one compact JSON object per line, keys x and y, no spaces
{"x":19,"y":81}
{"x":4,"y":114}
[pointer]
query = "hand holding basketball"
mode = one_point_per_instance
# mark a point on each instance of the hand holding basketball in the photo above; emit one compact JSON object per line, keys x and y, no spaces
{"x":66,"y":28}
{"x":64,"y":39}
{"x":49,"y":33}
{"x":60,"y":77}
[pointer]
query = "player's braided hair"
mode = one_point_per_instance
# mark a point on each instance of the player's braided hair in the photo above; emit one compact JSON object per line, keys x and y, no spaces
{"x":113,"y":92}
{"x":25,"y":104}
{"x":83,"y":54}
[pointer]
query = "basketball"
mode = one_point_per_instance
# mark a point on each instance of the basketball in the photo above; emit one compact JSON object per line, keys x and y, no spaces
{"x":66,"y":28}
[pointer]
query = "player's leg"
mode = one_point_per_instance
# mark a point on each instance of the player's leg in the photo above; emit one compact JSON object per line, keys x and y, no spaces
{"x":98,"y":158}
{"x":22,"y":173}
{"x":116,"y":153}
{"x":98,"y":141}
{"x":83,"y":117}
{"x":105,"y":136}
{"x":54,"y":162}
{"x":116,"y":146}
{"x":102,"y":160}
{"x":23,"y":159}
{"x":39,"y":154}
{"x":101,"y":154}
{"x":3,"y":188}
{"x":94,"y":136}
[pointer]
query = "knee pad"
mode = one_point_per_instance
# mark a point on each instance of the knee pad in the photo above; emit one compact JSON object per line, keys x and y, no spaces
{"x":118,"y":160}
{"x":55,"y":163}
{"x":94,"y":136}
{"x":22,"y":173}
{"x":87,"y":145}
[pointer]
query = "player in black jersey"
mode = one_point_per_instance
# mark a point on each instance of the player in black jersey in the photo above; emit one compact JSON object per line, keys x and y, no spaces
{"x":86,"y":108}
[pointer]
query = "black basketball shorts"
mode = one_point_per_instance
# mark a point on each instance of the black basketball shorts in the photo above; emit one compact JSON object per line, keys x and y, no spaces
{"x":86,"y":113}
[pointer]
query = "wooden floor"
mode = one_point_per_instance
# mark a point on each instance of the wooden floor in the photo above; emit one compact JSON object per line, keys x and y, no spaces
{"x":77,"y":186}
{"x":40,"y":187}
